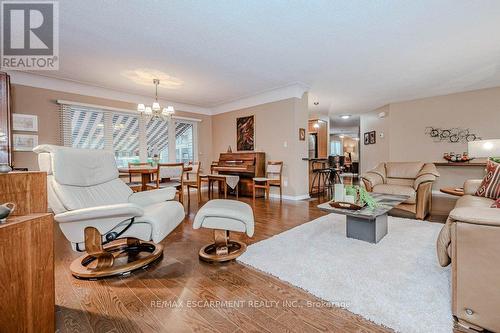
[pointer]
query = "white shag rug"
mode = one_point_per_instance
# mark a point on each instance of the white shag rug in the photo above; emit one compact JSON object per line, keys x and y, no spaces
{"x":397,"y":283}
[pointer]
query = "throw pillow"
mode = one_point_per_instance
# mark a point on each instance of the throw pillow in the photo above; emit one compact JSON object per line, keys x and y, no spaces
{"x":490,"y":186}
{"x":496,"y":204}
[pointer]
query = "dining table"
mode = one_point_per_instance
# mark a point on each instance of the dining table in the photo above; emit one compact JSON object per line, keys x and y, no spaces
{"x":145,"y":172}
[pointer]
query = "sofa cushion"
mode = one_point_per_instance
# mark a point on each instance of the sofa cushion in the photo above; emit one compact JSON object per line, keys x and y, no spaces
{"x":408,"y":170}
{"x":443,"y":243}
{"x":490,"y":187}
{"x":473,"y":201}
{"x":397,"y":189}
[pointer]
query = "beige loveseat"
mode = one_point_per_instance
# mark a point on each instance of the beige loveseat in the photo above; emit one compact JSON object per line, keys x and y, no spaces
{"x":413,"y":179}
{"x":470,"y":240}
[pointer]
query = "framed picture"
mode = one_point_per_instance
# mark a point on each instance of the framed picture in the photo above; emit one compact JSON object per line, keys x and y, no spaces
{"x":25,"y":142}
{"x":245,"y":133}
{"x":367,"y":138}
{"x":373,"y":137}
{"x":302,"y":134}
{"x":24,"y":122}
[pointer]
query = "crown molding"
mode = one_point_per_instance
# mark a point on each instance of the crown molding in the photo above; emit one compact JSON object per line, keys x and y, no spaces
{"x":69,"y":86}
{"x":295,"y":90}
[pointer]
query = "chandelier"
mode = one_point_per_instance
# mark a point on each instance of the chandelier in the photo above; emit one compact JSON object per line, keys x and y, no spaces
{"x":155,"y":110}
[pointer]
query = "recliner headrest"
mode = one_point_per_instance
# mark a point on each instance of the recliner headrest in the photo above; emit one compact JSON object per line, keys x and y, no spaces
{"x":80,"y":167}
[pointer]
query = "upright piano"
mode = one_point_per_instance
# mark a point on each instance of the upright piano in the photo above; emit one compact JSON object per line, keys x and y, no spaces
{"x":245,"y":165}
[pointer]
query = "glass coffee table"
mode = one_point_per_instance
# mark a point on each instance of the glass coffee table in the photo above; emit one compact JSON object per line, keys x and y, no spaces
{"x":368,"y":224}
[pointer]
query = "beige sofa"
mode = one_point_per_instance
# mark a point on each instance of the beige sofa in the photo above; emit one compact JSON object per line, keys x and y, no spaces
{"x":413,"y":179}
{"x":470,"y":240}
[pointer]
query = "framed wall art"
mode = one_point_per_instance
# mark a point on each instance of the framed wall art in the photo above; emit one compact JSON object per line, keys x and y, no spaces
{"x":366,"y":138}
{"x":245,"y":133}
{"x":25,"y":142}
{"x":24,"y":122}
{"x":373,"y":137}
{"x":302,"y":134}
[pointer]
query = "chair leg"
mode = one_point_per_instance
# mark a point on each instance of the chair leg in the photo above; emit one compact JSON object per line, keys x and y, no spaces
{"x":225,"y":190}
{"x":253,"y":183}
{"x":237,"y":195}
{"x":268,"y":192}
{"x":281,"y":193}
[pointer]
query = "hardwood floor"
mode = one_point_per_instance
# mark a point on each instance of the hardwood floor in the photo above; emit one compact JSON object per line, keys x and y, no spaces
{"x":183,"y":294}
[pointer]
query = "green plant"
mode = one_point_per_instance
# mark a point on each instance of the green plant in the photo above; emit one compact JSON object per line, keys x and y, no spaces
{"x":362,"y":194}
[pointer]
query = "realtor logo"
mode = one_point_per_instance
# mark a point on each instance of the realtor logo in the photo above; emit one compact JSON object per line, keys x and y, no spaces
{"x":30,"y":35}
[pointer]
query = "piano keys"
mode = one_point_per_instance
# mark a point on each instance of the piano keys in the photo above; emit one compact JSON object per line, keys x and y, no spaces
{"x":245,"y":165}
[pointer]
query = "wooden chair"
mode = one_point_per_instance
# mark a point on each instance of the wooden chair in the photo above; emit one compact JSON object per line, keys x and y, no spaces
{"x":221,"y":185}
{"x":170,"y":175}
{"x":204,"y":177}
{"x":136,"y":186}
{"x":273,"y":178}
{"x":193,"y":179}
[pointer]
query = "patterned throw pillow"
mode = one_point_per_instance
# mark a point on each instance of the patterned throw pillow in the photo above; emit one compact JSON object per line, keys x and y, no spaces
{"x":496,"y":204}
{"x":490,"y":186}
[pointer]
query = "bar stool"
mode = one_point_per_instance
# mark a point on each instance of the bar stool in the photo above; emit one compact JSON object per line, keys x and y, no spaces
{"x":321,"y":177}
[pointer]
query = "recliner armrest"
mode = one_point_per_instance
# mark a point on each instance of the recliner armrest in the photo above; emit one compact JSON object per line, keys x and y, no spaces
{"x":146,"y":198}
{"x":122,"y":211}
{"x":427,"y":178}
{"x":476,"y":215}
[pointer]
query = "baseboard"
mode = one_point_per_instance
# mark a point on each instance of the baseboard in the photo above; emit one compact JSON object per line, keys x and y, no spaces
{"x":291,"y":197}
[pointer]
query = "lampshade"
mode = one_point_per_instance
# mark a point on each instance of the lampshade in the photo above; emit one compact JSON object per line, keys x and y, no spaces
{"x":141,"y":107}
{"x":148,"y":110}
{"x":156,"y":106}
{"x":484,"y":148}
{"x":169,"y":110}
{"x":349,"y":149}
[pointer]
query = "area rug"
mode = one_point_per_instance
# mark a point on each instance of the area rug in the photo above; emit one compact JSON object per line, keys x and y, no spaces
{"x":397,"y":283}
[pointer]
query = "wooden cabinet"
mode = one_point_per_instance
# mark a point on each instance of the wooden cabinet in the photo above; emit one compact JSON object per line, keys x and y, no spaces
{"x":5,"y":120}
{"x":27,"y":274}
{"x":26,"y":255}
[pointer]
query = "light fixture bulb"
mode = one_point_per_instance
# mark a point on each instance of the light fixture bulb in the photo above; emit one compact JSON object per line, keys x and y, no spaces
{"x":148,"y":110}
{"x":156,"y":106}
{"x":141,"y":107}
{"x":316,"y":125}
{"x":346,"y":116}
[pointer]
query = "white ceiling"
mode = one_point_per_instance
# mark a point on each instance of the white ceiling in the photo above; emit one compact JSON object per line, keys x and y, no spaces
{"x":354,"y":55}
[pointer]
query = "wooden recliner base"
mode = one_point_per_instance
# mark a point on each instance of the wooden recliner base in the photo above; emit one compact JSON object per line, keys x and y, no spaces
{"x":223,"y":249}
{"x":118,"y":257}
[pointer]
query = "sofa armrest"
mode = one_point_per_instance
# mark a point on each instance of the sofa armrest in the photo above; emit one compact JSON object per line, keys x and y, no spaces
{"x":146,"y":198}
{"x":476,"y":215}
{"x":426,"y":178}
{"x":118,"y":211}
{"x":372,"y":179}
{"x":471,"y":186}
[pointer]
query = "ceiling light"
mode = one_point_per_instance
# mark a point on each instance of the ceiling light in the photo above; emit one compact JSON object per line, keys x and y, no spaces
{"x":156,"y":110}
{"x":345,"y":116}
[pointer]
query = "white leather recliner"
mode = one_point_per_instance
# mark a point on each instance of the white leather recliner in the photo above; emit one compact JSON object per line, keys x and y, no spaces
{"x":84,"y":190}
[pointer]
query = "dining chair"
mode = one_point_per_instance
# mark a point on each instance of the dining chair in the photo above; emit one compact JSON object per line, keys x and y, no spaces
{"x":193,"y":179}
{"x":273,"y":177}
{"x":170,"y":175}
{"x":136,"y":186}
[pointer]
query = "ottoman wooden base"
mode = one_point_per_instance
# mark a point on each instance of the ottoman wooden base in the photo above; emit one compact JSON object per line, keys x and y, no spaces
{"x":223,"y":249}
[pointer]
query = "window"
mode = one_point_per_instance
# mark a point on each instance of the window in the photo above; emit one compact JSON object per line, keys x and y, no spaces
{"x":184,"y":150}
{"x":131,"y":137}
{"x":336,"y":148}
{"x":83,"y":128}
{"x":157,"y":139}
{"x":125,"y":139}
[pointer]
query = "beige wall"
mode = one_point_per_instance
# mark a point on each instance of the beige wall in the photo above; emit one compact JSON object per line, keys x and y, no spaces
{"x":42,"y":102}
{"x":371,"y":155}
{"x":405,"y":138}
{"x":276,"y":133}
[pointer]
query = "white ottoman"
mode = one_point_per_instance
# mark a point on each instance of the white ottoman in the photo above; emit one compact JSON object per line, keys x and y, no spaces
{"x":224,"y":216}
